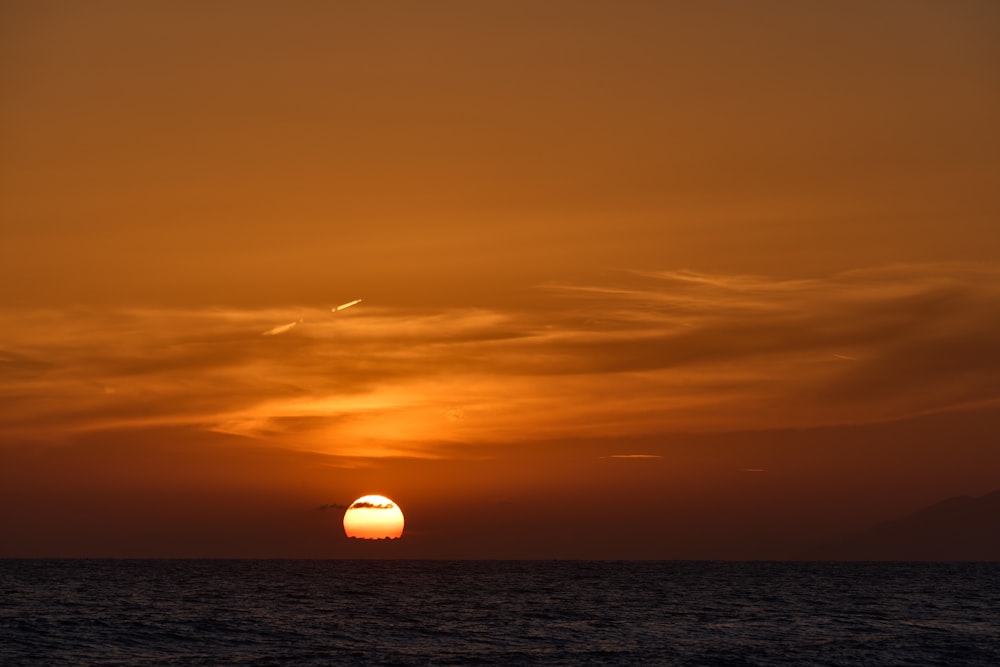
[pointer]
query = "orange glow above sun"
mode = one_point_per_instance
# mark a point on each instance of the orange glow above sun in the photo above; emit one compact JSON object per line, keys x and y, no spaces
{"x":373,"y":518}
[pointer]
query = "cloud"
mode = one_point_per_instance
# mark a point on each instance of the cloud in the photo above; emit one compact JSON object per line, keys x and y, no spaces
{"x":362,"y":505}
{"x":372,"y":506}
{"x":15,"y":366}
{"x":633,"y":456}
{"x":651,"y":353}
{"x":332,"y":506}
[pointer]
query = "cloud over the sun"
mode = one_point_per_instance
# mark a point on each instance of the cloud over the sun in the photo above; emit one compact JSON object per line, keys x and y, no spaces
{"x":371,"y":506}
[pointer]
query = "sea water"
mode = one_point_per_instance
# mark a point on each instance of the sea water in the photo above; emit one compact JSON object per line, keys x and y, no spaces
{"x":282,"y":612}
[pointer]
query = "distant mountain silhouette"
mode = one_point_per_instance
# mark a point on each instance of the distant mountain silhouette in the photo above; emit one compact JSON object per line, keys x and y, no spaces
{"x":961,"y":528}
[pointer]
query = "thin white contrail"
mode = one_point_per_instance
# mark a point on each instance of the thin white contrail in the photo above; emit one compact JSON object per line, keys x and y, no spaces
{"x":280,"y":329}
{"x":342,"y":306}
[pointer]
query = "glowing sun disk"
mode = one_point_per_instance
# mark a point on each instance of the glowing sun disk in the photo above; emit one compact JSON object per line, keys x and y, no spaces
{"x":373,"y":518}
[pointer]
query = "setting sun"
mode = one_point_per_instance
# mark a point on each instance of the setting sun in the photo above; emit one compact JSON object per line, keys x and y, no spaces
{"x":373,"y":518}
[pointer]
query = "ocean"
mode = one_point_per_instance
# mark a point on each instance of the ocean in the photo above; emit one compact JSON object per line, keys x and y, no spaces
{"x":391,"y":612}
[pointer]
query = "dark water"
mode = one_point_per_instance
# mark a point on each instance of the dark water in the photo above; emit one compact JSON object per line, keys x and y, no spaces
{"x":184,"y":612}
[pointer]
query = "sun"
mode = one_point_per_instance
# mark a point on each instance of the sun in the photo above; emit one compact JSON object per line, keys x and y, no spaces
{"x":373,"y":518}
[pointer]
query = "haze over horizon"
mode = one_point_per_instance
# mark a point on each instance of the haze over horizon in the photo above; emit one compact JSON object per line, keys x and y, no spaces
{"x":616,"y":279}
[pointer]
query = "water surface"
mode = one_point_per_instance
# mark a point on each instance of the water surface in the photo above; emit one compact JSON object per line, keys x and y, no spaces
{"x":259,"y":612}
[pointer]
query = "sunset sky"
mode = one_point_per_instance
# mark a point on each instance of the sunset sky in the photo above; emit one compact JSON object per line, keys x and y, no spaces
{"x":639,"y":279}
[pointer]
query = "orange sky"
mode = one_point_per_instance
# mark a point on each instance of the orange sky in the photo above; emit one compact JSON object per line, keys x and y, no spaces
{"x":756,"y":243}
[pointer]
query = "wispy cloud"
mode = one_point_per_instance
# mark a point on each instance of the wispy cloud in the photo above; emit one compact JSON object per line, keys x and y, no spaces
{"x":332,"y":506}
{"x":654,"y":353}
{"x":633,"y":456}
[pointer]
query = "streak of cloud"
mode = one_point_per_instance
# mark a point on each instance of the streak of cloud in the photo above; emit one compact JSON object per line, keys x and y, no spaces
{"x":633,"y":456}
{"x":372,"y":506}
{"x":332,"y":506}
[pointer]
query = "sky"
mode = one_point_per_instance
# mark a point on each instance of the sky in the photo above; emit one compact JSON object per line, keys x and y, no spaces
{"x":638,"y":279}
